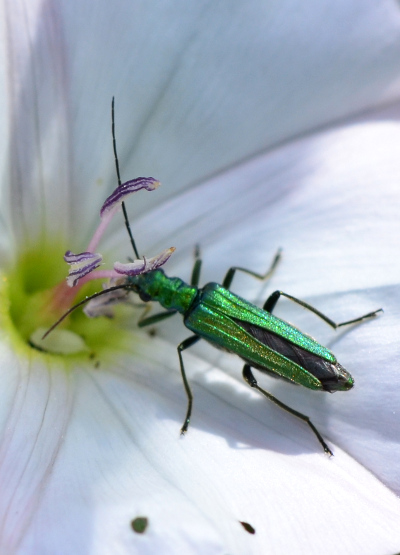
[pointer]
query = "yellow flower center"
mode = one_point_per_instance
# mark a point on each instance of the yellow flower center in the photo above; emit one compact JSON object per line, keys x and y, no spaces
{"x":33,"y":297}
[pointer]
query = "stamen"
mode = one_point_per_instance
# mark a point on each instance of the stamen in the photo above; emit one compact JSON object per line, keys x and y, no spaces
{"x":114,"y":201}
{"x":121,"y":192}
{"x":143,"y":266}
{"x":81,"y":265}
{"x":102,"y":304}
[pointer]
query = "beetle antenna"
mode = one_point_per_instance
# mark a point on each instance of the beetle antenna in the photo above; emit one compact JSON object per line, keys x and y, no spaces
{"x":127,"y":224}
{"x":77,"y":305}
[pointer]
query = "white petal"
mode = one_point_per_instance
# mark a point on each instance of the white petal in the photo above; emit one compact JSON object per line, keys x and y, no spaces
{"x":190,"y":82}
{"x":325,"y":200}
{"x":222,"y":84}
{"x":36,"y":183}
{"x":35,"y":411}
{"x":219,"y":86}
{"x":122,"y":456}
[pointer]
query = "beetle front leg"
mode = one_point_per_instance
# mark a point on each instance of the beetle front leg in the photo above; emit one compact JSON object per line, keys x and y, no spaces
{"x":270,"y":303}
{"x":181,"y":347}
{"x":250,"y":379}
{"x":231,"y":272}
{"x":155,"y":318}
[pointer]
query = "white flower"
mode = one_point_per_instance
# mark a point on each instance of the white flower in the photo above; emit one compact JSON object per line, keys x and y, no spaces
{"x":267,"y":125}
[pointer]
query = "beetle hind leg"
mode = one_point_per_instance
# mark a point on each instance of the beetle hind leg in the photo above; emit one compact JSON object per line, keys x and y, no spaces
{"x":250,"y":379}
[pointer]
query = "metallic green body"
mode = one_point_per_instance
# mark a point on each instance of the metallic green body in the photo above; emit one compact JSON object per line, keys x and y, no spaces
{"x":213,"y":313}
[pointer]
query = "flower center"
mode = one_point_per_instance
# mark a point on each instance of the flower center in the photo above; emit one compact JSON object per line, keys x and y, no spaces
{"x":38,"y":296}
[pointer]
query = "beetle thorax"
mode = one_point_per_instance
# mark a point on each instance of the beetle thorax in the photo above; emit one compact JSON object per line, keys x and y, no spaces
{"x":171,"y":292}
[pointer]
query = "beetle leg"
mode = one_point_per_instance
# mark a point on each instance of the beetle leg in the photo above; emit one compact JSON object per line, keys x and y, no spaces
{"x":250,"y":379}
{"x":231,"y":272}
{"x":154,"y":318}
{"x":181,"y":347}
{"x":270,"y":303}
